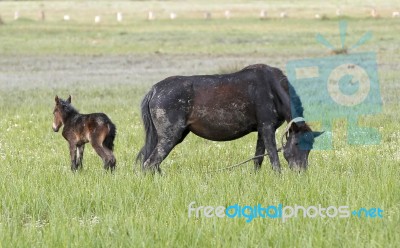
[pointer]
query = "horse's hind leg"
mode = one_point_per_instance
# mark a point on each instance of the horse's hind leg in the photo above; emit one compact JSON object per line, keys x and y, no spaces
{"x":167,"y":140}
{"x":260,"y":149}
{"x":160,"y":152}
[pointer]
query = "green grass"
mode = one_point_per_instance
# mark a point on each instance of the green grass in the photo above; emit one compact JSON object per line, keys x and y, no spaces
{"x":43,"y":204}
{"x":191,"y":36}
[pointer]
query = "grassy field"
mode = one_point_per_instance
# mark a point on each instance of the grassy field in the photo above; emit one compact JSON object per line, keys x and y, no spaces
{"x":110,"y":66}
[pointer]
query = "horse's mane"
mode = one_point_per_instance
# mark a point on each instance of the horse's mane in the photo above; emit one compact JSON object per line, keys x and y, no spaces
{"x":296,"y":106}
{"x":284,"y":82}
{"x":295,"y":102}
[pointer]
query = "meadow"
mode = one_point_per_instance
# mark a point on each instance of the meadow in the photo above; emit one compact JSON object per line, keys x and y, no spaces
{"x":109,"y":67}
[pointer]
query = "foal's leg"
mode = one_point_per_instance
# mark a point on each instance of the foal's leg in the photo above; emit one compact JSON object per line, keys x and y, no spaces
{"x":268,"y":133}
{"x":106,"y":154}
{"x":72,"y":151}
{"x":110,"y":159}
{"x":260,"y":149}
{"x":100,"y":151}
{"x":79,"y":154}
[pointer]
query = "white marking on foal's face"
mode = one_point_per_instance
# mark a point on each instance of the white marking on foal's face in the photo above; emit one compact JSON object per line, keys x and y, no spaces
{"x":55,"y":129}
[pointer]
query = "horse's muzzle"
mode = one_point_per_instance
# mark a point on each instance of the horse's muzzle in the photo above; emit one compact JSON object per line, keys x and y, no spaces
{"x":298,"y":166}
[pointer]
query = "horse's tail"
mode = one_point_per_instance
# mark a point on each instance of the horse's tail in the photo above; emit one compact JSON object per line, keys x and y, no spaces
{"x":150,"y":130}
{"x":109,"y":140}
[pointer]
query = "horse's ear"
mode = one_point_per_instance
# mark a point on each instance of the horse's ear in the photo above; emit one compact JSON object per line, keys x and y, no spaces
{"x":69,"y":99}
{"x":316,"y":134}
{"x":57,"y":99}
{"x":298,"y":126}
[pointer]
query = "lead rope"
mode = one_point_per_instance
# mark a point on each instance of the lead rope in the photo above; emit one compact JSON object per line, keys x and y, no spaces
{"x":236,"y":165}
{"x":297,"y":119}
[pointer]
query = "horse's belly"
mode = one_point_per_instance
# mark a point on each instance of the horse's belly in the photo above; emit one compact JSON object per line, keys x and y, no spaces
{"x":220,"y":124}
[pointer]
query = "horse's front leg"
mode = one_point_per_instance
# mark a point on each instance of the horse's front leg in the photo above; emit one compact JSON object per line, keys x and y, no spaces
{"x":270,"y":144}
{"x":260,"y":149}
{"x":72,"y":151}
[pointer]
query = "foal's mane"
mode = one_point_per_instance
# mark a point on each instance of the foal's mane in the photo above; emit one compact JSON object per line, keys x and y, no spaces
{"x":66,"y":108}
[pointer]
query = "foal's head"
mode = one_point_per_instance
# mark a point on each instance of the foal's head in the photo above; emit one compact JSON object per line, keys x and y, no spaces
{"x":61,"y":110}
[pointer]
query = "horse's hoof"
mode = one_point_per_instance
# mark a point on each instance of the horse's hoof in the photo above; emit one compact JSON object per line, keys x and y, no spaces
{"x":276,"y":169}
{"x":152,"y":171}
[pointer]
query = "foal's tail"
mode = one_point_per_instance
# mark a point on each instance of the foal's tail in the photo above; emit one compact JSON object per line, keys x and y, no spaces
{"x":109,"y":140}
{"x":150,"y":130}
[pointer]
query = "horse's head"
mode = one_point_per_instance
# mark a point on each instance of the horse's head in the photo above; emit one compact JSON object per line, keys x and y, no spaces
{"x":299,"y":140}
{"x":59,"y":109}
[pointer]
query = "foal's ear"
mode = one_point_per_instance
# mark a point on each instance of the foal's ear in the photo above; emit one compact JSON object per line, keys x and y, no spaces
{"x":69,"y":99}
{"x":57,"y":99}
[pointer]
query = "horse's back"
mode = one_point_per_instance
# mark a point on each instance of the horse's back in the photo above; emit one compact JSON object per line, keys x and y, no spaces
{"x":215,"y":107}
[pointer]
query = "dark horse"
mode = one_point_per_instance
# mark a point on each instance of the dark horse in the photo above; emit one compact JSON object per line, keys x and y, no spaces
{"x":80,"y":129}
{"x":259,"y":98}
